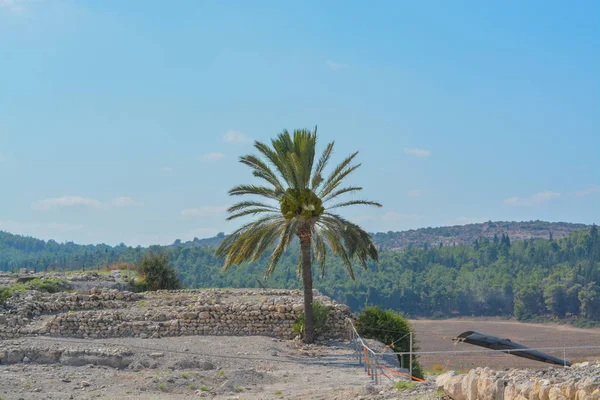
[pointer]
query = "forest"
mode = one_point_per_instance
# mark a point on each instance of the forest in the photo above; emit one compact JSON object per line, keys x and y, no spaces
{"x":494,"y":276}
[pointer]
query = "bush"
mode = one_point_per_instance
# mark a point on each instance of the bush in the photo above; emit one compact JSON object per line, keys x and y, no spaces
{"x":50,"y":285}
{"x":320,"y":316}
{"x":391,"y":328}
{"x":156,"y":272}
{"x":138,"y":285}
{"x":5,"y":294}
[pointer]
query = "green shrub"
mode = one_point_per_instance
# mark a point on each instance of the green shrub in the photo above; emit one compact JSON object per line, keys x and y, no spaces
{"x":391,"y":328}
{"x":402,"y":385}
{"x":320,"y":316}
{"x":50,"y":285}
{"x":156,"y":272}
{"x":5,"y":294}
{"x":138,"y":285}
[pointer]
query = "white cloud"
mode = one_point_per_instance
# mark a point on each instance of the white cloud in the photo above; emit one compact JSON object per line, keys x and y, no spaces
{"x":236,"y":137}
{"x":417,"y":152}
{"x":335,"y":66}
{"x":414,"y":193}
{"x":66,"y":201}
{"x":465,"y":221}
{"x":78,"y":201}
{"x":590,"y":190}
{"x":211,"y":157}
{"x":12,"y":5}
{"x":397,"y":217}
{"x":166,"y":170}
{"x":125,"y":201}
{"x":205,"y":211}
{"x":535,"y":199}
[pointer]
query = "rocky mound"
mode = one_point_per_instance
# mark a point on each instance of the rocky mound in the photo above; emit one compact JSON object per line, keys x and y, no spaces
{"x":103,"y":313}
{"x":580,"y":382}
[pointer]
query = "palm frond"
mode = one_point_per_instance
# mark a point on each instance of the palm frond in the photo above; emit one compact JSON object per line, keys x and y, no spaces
{"x":319,"y":250}
{"x":317,"y":177}
{"x":355,"y":203}
{"x":338,"y":249}
{"x":304,"y":146}
{"x":340,"y":192}
{"x":246,"y":204}
{"x":275,"y":159}
{"x":261,"y":170}
{"x":357,"y":242}
{"x":250,"y":211}
{"x":285,"y":238}
{"x":255,"y":190}
{"x":244,"y":244}
{"x":340,"y":172}
{"x":332,"y":185}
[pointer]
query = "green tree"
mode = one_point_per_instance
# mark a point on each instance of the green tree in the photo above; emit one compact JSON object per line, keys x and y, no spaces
{"x":392,"y":329}
{"x":590,"y":301}
{"x":157,"y":273}
{"x":303,"y":209}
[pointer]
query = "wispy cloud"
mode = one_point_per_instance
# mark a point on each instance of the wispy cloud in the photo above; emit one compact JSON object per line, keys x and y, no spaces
{"x":465,"y":221}
{"x":533,"y":200}
{"x":125,"y":202}
{"x":334,"y":65}
{"x":204,"y":211}
{"x":236,"y":137}
{"x":211,"y":157}
{"x":66,"y":201}
{"x":166,"y":170}
{"x":590,"y":190}
{"x":414,"y":193}
{"x":12,"y":5}
{"x":79,"y":201}
{"x":417,"y":152}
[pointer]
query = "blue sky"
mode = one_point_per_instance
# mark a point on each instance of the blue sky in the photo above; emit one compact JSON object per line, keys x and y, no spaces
{"x":122,"y":121}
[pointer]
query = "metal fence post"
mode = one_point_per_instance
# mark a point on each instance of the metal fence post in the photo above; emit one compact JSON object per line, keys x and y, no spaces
{"x":411,"y":357}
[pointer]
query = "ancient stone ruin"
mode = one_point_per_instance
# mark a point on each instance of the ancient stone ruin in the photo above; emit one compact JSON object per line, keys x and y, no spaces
{"x":104,"y":313}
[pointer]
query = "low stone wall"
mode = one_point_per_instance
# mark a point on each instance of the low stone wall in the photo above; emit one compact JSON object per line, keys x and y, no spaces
{"x":103,"y":314}
{"x":579,"y":382}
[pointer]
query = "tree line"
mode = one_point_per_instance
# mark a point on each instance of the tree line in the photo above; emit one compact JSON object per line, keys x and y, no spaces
{"x":492,"y":277}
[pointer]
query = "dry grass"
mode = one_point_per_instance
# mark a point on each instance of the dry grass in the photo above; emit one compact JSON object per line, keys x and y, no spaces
{"x":120,"y":266}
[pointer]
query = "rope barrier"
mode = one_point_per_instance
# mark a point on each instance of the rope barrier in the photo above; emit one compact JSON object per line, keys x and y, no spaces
{"x":366,"y":351}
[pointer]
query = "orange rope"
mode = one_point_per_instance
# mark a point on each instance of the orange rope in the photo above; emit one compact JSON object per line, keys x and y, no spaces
{"x":369,"y":373}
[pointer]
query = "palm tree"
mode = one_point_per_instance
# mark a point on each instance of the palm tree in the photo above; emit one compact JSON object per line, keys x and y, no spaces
{"x":297,"y":203}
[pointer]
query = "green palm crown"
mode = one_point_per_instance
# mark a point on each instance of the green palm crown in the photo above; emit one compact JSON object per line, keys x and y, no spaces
{"x":297,"y":200}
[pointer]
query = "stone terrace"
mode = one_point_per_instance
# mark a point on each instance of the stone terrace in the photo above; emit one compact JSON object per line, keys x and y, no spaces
{"x":101,"y":313}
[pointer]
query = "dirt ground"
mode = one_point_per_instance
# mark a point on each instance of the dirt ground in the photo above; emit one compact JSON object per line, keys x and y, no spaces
{"x":437,"y":336}
{"x":222,"y":367}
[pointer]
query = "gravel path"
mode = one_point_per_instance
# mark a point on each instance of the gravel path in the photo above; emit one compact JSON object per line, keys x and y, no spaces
{"x":221,"y":367}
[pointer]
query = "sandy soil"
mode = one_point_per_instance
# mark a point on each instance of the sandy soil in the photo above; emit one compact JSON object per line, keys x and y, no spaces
{"x":437,"y":336}
{"x":222,"y":367}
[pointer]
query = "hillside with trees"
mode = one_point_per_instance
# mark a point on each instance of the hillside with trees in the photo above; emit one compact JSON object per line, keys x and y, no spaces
{"x":496,"y":276}
{"x":446,"y":235}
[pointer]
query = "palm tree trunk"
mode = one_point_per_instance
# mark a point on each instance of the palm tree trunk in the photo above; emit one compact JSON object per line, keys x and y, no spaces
{"x":305,"y":235}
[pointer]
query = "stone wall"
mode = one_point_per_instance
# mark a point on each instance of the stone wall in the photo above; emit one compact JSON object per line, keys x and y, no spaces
{"x":579,"y":382}
{"x":100,"y":313}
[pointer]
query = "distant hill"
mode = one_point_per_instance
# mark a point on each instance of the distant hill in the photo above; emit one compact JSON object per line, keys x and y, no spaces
{"x":466,"y":234}
{"x":486,"y":273}
{"x":206,"y":243}
{"x":446,"y":235}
